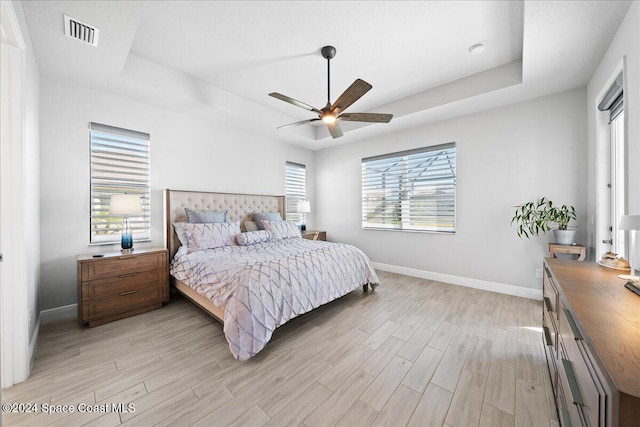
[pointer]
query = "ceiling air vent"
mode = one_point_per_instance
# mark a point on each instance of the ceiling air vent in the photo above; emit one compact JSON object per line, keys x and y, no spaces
{"x":80,"y":31}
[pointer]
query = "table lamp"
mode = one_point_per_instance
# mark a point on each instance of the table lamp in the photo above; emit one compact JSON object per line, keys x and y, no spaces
{"x":126,"y":204}
{"x":303,"y":207}
{"x":631,"y":223}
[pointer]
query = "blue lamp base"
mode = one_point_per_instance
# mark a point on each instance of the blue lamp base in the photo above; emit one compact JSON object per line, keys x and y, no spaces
{"x":126,"y":242}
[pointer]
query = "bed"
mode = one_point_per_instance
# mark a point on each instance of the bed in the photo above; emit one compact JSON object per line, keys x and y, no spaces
{"x":254,"y":288}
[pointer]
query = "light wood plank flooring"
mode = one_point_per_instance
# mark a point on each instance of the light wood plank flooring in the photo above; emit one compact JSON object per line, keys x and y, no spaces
{"x":414,"y":352}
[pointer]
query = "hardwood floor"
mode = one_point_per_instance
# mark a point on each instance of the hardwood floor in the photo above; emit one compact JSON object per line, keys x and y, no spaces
{"x":414,"y":352}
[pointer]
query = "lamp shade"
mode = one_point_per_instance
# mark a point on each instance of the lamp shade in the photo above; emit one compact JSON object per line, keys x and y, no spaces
{"x":630,"y":222}
{"x":303,"y":206}
{"x":125,"y":204}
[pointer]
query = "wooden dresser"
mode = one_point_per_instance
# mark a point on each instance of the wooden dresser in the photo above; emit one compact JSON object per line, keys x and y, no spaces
{"x":591,"y":326}
{"x":117,"y":285}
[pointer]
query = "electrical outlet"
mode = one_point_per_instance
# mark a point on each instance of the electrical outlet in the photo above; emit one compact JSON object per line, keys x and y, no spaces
{"x":539,"y":273}
{"x":30,"y":317}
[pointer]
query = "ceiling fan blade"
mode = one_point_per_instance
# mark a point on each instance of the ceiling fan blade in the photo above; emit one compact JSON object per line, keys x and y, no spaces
{"x":351,"y":95}
{"x":334,"y":130}
{"x":366,"y":117}
{"x":294,"y":102}
{"x":302,"y":122}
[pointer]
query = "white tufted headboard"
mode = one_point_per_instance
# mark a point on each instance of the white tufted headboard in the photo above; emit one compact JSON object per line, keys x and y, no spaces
{"x":238,"y":206}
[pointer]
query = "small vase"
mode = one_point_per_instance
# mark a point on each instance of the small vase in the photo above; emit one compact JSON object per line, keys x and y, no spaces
{"x":564,"y":237}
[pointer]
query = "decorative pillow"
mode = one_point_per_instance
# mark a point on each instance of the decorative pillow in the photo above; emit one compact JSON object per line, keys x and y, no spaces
{"x":182,"y":235}
{"x":253,"y":237}
{"x":211,"y":235}
{"x":265,"y":216}
{"x":202,"y":217}
{"x":282,"y":229}
{"x":250,"y":226}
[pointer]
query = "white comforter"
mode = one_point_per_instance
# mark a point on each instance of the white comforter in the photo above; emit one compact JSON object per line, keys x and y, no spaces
{"x":262,"y":286}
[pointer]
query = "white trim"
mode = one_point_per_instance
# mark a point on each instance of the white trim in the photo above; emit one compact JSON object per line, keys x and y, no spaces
{"x":517,"y":291}
{"x":14,"y":327}
{"x":34,"y":342}
{"x":66,"y":312}
{"x":9,"y":26}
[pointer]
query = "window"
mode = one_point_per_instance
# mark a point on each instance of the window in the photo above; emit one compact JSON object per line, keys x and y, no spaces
{"x":411,"y":190}
{"x":618,"y":178}
{"x":613,"y":104}
{"x":296,"y":190}
{"x":119,"y":165}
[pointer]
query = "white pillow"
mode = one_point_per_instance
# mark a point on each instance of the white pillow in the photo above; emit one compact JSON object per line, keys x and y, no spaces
{"x":211,"y":235}
{"x":182,"y":235}
{"x":282,"y":229}
{"x":253,"y":237}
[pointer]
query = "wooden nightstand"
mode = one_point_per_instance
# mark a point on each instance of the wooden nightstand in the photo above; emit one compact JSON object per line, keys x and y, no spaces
{"x":116,"y":285}
{"x":315,"y":235}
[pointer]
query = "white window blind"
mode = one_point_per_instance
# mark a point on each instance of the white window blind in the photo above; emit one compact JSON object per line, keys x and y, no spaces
{"x":411,"y":190}
{"x":296,"y":189}
{"x":613,"y":98}
{"x":119,"y":165}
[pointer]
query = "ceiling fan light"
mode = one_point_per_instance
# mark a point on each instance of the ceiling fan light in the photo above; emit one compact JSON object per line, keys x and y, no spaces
{"x":329,"y":119}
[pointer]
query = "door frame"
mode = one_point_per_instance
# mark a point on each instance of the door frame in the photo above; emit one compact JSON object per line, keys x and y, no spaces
{"x":14,"y":321}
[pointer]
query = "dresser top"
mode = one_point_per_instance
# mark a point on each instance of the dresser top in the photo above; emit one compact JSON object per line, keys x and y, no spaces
{"x":136,"y":251}
{"x":608,"y":314}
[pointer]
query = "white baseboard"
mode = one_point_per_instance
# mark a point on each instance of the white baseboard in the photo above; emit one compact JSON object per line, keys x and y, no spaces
{"x":517,"y":291}
{"x":65,"y":312}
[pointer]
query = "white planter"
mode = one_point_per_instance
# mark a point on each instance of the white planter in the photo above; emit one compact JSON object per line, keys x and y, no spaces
{"x":564,"y":237}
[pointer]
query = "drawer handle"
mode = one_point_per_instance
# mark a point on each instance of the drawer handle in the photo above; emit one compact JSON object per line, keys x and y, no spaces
{"x":576,"y":396}
{"x":566,"y":420}
{"x":124,"y":276}
{"x":572,"y":324}
{"x":547,"y":302}
{"x":127,"y":293}
{"x":548,"y":273}
{"x":547,"y":336}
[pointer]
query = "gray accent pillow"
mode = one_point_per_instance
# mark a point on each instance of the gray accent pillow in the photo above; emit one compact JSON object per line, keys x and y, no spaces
{"x":265,"y":216}
{"x":250,"y":226}
{"x":205,"y":217}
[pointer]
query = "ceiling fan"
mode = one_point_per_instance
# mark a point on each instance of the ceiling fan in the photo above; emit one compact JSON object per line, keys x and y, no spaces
{"x":331,"y":113}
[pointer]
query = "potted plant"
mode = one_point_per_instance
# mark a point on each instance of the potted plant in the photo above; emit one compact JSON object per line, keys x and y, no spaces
{"x":536,"y":217}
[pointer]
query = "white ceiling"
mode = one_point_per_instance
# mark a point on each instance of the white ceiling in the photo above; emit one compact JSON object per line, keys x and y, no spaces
{"x":219,"y":59}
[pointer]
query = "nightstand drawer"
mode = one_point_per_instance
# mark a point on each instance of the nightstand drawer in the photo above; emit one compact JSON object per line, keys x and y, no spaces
{"x":123,"y":283}
{"x":123,"y":302}
{"x":123,"y":265}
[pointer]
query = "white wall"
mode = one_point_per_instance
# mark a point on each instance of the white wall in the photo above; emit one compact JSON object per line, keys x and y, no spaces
{"x":186,"y":154}
{"x":505,"y":156}
{"x":32,"y":182}
{"x":623,"y":52}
